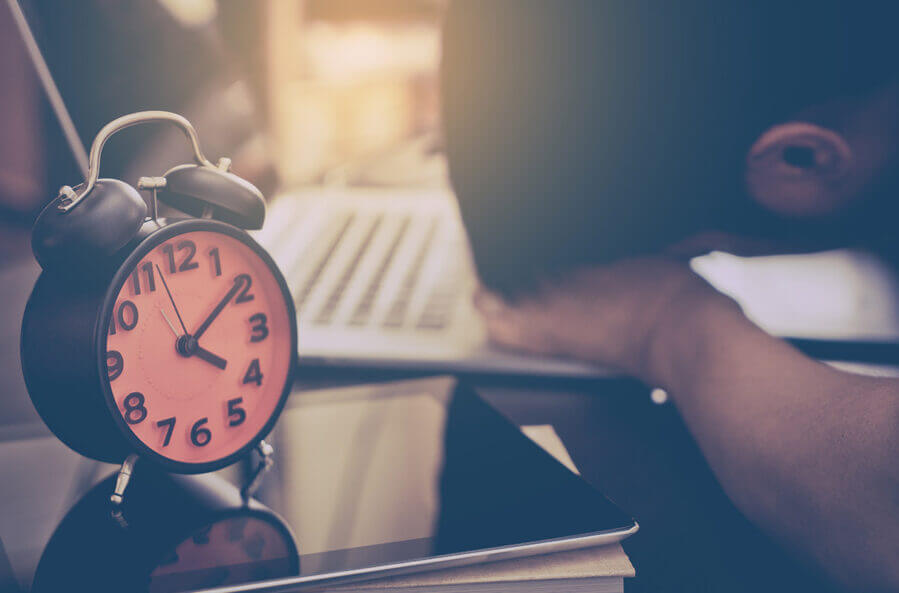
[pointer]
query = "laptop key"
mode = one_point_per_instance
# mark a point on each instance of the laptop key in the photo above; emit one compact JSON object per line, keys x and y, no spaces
{"x":437,"y":309}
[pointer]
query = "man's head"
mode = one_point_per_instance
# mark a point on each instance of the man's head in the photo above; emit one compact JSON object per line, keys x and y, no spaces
{"x":582,"y":132}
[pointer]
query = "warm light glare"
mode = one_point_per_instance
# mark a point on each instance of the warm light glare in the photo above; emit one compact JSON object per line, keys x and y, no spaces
{"x":344,"y":92}
{"x":191,"y":13}
{"x":349,"y":53}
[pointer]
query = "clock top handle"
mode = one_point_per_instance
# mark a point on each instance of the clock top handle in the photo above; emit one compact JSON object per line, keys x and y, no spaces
{"x":99,"y":217}
{"x":69,"y":198}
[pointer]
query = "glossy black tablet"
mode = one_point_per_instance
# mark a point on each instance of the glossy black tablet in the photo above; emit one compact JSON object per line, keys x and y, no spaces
{"x":375,"y":480}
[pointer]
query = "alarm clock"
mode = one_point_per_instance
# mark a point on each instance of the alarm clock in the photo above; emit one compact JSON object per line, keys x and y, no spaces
{"x":177,"y":533}
{"x":170,"y":339}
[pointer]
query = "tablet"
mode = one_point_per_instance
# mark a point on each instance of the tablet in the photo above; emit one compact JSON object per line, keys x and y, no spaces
{"x":368,"y":481}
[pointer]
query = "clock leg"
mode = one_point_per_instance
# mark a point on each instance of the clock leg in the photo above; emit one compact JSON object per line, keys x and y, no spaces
{"x":121,"y":483}
{"x":266,"y":461}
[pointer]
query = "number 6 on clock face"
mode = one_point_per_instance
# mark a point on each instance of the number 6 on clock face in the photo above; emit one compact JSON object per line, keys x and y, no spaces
{"x":199,"y":343}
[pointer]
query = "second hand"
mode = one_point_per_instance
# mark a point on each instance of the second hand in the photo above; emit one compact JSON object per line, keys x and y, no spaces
{"x":169,"y":323}
{"x":174,"y":306}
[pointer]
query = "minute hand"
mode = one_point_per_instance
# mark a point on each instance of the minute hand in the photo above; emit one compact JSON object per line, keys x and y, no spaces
{"x":238,"y":283}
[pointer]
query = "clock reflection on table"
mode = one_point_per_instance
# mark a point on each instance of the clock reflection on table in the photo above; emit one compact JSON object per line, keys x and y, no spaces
{"x":175,"y":533}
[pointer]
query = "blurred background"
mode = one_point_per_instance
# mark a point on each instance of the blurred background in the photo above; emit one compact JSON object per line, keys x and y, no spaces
{"x":295,"y":91}
{"x":353,"y":89}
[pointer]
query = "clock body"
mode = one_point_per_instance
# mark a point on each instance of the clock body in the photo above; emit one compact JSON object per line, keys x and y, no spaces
{"x":180,"y":348}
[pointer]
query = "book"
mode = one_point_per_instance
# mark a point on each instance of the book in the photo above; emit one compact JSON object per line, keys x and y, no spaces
{"x":597,"y":570}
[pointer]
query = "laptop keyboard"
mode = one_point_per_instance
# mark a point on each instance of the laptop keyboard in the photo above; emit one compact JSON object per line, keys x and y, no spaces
{"x":371,"y":268}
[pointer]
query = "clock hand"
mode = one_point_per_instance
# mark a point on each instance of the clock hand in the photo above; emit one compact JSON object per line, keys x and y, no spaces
{"x":174,"y":306}
{"x":188,"y":346}
{"x":209,"y":357}
{"x":169,"y":323}
{"x":238,"y":284}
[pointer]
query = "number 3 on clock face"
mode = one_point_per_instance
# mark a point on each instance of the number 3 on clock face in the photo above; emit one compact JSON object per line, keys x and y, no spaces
{"x":200,"y":341}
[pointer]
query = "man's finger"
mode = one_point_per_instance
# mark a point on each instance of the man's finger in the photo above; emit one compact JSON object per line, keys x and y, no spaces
{"x":511,"y":332}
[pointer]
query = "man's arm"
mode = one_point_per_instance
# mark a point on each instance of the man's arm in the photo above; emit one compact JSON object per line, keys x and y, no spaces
{"x":807,"y":452}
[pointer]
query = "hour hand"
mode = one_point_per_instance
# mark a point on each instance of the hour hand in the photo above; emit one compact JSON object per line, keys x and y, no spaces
{"x":211,"y":358}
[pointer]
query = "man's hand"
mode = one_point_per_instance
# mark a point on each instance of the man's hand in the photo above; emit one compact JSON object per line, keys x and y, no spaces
{"x":609,"y":315}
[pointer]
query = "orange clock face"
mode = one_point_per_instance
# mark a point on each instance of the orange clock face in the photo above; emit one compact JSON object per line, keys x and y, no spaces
{"x":199,"y":347}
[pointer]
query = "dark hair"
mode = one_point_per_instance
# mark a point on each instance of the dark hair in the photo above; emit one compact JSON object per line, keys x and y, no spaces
{"x":582,"y":131}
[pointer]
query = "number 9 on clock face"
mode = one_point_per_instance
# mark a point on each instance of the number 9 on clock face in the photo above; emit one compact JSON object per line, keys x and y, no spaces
{"x":200,"y":340}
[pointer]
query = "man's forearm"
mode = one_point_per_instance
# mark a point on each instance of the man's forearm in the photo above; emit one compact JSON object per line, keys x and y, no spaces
{"x":811,"y":454}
